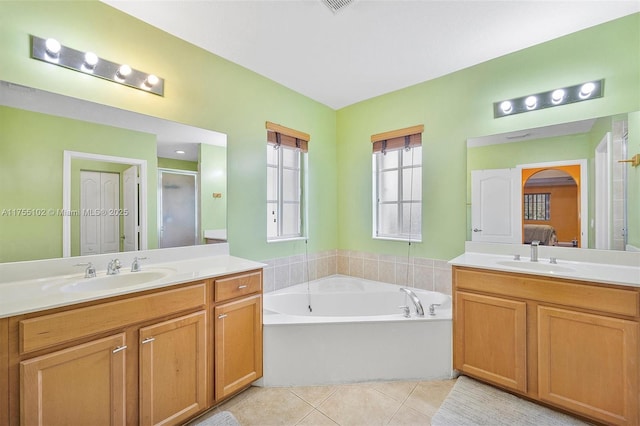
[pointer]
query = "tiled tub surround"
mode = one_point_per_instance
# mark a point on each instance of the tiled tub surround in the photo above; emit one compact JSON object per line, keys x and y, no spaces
{"x":422,"y":273}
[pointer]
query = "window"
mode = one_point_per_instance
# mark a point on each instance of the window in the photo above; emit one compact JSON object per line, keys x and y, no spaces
{"x":397,"y":184}
{"x":537,"y":206}
{"x":286,"y":165}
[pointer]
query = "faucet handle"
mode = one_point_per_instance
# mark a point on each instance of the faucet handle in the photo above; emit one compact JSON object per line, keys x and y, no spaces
{"x":432,"y":308}
{"x":90,"y":272}
{"x":135,"y":265}
{"x":553,"y":260}
{"x":405,"y":311}
{"x":516,"y":257}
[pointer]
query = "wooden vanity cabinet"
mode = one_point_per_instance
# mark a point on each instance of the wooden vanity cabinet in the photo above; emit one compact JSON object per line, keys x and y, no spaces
{"x":173,"y":373}
{"x":157,"y":357}
{"x":238,"y":333}
{"x":491,"y":338}
{"x":83,"y":384}
{"x":68,"y":372}
{"x":4,"y":371}
{"x":569,"y":344}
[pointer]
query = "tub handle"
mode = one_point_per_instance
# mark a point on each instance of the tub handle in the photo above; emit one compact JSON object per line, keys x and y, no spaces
{"x":405,"y":311}
{"x":432,"y":308}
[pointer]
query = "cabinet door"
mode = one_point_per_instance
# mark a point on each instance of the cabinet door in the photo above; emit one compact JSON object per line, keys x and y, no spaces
{"x":173,"y":375}
{"x":238,"y":342}
{"x":490,"y":339}
{"x":81,"y":385}
{"x":588,"y":363}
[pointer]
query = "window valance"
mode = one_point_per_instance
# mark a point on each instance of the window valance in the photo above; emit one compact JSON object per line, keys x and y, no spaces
{"x":279,"y":135}
{"x":397,"y":139}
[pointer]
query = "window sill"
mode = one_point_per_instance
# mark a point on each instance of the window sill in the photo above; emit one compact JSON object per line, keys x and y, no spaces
{"x":280,"y":240}
{"x":405,"y":240}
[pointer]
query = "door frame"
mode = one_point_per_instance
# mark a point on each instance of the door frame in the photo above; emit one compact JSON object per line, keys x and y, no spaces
{"x":196,"y":175}
{"x":66,"y":193}
{"x":584,"y":191}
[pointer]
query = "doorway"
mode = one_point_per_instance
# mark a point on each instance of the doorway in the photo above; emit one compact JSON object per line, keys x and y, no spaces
{"x":178,"y":208}
{"x":135,"y":221}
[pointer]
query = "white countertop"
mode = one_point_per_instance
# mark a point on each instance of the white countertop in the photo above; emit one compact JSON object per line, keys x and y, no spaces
{"x":599,"y":266}
{"x":41,"y":285}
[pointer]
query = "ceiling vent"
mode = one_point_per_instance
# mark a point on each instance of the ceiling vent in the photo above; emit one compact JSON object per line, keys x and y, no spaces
{"x":336,"y":5}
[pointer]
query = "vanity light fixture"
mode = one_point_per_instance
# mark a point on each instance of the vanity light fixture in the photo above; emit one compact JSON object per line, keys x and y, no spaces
{"x":50,"y":50}
{"x":561,"y":96}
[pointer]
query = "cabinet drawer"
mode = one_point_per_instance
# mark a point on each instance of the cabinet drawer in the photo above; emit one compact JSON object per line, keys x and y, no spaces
{"x":611,"y":300}
{"x":238,"y":285}
{"x":49,"y":330}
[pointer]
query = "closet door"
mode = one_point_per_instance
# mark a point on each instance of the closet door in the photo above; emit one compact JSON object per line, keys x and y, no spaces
{"x":99,"y":218}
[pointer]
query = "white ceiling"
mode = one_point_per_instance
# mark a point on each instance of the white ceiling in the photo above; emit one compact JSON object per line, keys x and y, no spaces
{"x":370,"y":47}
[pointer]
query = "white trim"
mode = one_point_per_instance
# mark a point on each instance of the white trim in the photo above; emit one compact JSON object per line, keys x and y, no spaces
{"x":584,"y":192}
{"x":66,"y":193}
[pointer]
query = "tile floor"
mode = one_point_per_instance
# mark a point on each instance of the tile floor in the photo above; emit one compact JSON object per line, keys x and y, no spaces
{"x":379,"y":403}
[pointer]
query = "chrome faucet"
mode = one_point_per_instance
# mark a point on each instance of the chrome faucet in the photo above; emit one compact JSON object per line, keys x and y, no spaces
{"x":113,"y":268}
{"x":415,"y":300}
{"x":90,"y":272}
{"x":534,"y":250}
{"x":135,"y":266}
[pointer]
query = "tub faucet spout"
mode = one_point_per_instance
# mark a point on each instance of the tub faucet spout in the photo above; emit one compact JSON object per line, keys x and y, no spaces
{"x":416,"y":301}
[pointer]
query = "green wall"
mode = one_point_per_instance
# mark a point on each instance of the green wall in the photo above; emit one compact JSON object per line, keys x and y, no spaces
{"x":201,"y":89}
{"x":207,"y":91}
{"x":460,"y":106}
{"x":213,"y":179}
{"x":172,"y":163}
{"x":31,"y":163}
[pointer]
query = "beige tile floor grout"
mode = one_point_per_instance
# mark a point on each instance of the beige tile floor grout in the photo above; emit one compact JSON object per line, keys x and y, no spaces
{"x":375,"y":403}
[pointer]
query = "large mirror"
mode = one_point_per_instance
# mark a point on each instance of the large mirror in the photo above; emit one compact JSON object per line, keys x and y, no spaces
{"x":81,"y":178}
{"x":570,"y":188}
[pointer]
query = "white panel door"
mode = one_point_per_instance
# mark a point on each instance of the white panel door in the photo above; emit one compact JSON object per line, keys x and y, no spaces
{"x":99,"y":208}
{"x":89,"y":224}
{"x":130,"y":208}
{"x":109,"y":213}
{"x":496,"y":206}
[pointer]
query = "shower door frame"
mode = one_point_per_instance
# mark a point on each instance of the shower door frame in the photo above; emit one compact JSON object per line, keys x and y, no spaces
{"x":196,"y":175}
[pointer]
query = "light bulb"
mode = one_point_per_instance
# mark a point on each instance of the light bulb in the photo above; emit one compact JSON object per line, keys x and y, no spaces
{"x":557,"y":96}
{"x":586,"y":90}
{"x":506,"y":107}
{"x":150,"y":81}
{"x":90,"y":61}
{"x":531,"y":102}
{"x":123,"y":72}
{"x":52,"y":47}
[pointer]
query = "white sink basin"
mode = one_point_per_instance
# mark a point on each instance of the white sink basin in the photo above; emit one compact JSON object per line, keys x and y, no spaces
{"x":535,"y":266}
{"x":113,"y":282}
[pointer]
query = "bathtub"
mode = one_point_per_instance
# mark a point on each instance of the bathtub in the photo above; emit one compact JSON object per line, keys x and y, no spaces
{"x":354,"y":332}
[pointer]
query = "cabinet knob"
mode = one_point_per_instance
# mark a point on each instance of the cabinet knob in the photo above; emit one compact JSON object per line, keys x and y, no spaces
{"x":148,"y":340}
{"x":240,"y":287}
{"x":119,"y":348}
{"x":222,"y":316}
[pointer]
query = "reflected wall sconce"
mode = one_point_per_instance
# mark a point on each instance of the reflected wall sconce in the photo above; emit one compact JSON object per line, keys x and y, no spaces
{"x":51,"y":51}
{"x":552,"y":98}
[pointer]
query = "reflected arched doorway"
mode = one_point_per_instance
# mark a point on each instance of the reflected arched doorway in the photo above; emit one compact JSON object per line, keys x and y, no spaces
{"x":551,"y":205}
